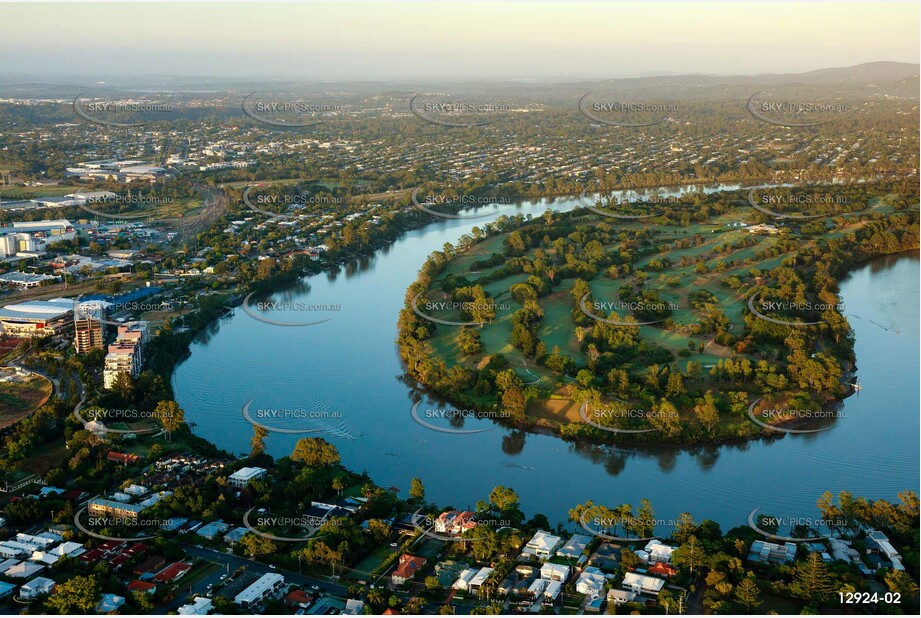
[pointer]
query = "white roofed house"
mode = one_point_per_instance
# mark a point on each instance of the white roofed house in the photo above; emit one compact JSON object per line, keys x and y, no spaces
{"x":201,"y":606}
{"x":36,"y":588}
{"x":537,"y":588}
{"x":542,"y":545}
{"x":591,"y":582}
{"x":464,"y":579}
{"x":659,"y":552}
{"x":479,"y":579}
{"x":554,"y":572}
{"x":552,"y":593}
{"x":643,"y":584}
{"x":243,"y":476}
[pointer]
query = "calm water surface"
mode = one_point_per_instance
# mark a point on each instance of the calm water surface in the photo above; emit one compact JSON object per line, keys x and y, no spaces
{"x":348,"y":369}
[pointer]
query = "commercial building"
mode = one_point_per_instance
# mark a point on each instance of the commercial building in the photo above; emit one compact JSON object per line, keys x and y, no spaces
{"x":26,"y":280}
{"x":32,"y":236}
{"x":269,"y":586}
{"x":243,"y":476}
{"x":126,"y":355}
{"x":14,"y":244}
{"x":37,"y":318}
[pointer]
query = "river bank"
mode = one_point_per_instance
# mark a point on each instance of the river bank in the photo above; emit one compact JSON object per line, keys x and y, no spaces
{"x":349,"y":366}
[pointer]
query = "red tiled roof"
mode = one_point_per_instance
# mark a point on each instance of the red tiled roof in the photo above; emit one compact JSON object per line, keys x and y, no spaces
{"x":92,"y":555}
{"x":122,"y":457}
{"x":408,"y":566}
{"x":298,"y":597}
{"x":141,"y":586}
{"x":112,"y":546}
{"x":661,"y":568}
{"x":173,"y":571}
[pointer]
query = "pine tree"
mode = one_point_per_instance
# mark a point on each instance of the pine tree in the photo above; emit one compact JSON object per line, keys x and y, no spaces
{"x":747,"y":594}
{"x":811,"y":581}
{"x":690,"y":555}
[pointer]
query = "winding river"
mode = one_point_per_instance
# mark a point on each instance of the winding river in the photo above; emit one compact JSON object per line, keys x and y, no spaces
{"x":347,"y":372}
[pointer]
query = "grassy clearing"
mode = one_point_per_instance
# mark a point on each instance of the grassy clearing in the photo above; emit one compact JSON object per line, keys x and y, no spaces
{"x":20,"y":396}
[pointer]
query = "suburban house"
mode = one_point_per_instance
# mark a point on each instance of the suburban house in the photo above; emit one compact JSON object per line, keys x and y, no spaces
{"x":406,"y":569}
{"x":551,"y":593}
{"x":172,"y":572}
{"x":122,"y":458}
{"x":619,"y":597}
{"x":655,"y":552}
{"x":109,"y":603}
{"x":455,"y":522}
{"x":642,"y":584}
{"x":554,"y":572}
{"x":139,"y":586}
{"x":763,"y":552}
{"x":201,"y":606}
{"x":243,"y":476}
{"x":542,"y":545}
{"x":479,"y":579}
{"x":574,"y":546}
{"x":36,"y":588}
{"x":662,"y":569}
{"x":591,"y":582}
{"x":537,"y":588}
{"x":878,"y":543}
{"x":606,"y":557}
{"x":464,"y":579}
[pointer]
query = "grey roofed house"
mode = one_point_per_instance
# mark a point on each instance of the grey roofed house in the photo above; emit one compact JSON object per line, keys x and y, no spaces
{"x":606,"y":557}
{"x":621,"y":596}
{"x":574,"y":547}
{"x":508,"y":584}
{"x":447,"y":571}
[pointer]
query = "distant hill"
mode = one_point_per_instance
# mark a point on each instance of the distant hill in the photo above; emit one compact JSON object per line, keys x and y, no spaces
{"x":868,"y":72}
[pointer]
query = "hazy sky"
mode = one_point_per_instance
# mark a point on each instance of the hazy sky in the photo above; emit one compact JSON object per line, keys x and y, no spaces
{"x":451,"y":40}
